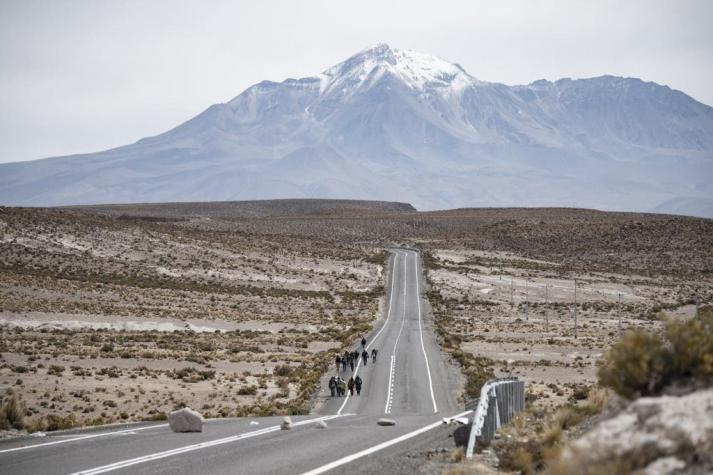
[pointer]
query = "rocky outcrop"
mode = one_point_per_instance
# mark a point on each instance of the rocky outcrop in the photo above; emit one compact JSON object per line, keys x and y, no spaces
{"x":185,"y":420}
{"x":660,"y":435}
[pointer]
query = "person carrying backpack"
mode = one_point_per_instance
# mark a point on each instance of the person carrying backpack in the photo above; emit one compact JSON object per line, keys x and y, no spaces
{"x":365,"y":356}
{"x":357,"y":384}
{"x":342,"y":387}
{"x":373,"y":355}
{"x":363,"y":342}
{"x":333,"y":386}
{"x":350,"y":385}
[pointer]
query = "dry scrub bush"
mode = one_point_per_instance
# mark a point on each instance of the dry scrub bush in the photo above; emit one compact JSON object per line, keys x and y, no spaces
{"x":529,"y":453}
{"x":12,"y":413}
{"x":643,"y":364}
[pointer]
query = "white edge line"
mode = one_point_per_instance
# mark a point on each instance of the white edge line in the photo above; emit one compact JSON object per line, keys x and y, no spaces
{"x":190,"y":448}
{"x":381,"y":446}
{"x":83,"y":437}
{"x":420,"y":330}
{"x":388,"y":315}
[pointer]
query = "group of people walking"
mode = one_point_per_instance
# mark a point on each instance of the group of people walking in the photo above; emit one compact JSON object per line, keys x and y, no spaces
{"x":337,"y":385}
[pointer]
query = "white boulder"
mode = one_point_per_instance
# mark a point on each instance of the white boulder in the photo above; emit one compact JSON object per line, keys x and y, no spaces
{"x":185,"y":420}
{"x":321,"y":425}
{"x":286,"y":423}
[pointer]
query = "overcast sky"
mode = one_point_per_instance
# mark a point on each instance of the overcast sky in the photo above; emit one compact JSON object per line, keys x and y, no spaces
{"x":82,"y":76}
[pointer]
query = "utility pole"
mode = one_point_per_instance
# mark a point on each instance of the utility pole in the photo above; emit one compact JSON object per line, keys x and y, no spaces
{"x":547,"y":312}
{"x":575,"y":308}
{"x":618,"y":311}
{"x":512,"y":302}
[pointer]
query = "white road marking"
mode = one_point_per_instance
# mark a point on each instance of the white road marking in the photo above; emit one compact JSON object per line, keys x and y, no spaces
{"x":389,"y":395}
{"x":420,"y":330}
{"x":82,"y":437}
{"x":190,"y":448}
{"x":392,"y":373}
{"x":381,"y":446}
{"x":388,"y":315}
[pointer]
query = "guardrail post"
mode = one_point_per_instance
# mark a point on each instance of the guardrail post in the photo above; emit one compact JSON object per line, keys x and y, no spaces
{"x":521,"y":393}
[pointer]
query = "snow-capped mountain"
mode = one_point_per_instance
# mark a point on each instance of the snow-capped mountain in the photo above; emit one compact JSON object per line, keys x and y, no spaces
{"x":399,"y":125}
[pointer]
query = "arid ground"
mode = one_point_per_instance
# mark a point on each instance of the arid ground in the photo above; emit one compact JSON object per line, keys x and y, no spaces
{"x":127,"y":312}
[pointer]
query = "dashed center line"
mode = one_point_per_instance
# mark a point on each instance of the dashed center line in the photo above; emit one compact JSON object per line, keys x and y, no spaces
{"x":392,"y":372}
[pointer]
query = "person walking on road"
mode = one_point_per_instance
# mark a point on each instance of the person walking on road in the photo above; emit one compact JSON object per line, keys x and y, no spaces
{"x":357,"y":384}
{"x":333,"y":386}
{"x":338,"y":361}
{"x":341,"y":387}
{"x":373,"y":355}
{"x":363,"y":342}
{"x":350,"y":385}
{"x":351,"y":362}
{"x":365,"y":356}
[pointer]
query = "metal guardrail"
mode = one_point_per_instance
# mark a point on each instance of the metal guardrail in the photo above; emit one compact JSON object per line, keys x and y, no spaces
{"x":500,"y":400}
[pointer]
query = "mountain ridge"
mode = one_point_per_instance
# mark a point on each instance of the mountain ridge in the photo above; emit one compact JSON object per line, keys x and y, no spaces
{"x":398,"y":125}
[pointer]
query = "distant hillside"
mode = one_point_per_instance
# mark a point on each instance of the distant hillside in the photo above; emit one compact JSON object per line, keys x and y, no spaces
{"x":246,"y":209}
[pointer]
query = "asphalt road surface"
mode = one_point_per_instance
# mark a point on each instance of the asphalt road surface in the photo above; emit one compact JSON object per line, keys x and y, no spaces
{"x":408,"y":383}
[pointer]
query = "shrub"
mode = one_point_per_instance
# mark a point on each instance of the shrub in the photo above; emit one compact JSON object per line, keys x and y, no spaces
{"x":55,"y":422}
{"x":193,"y":375}
{"x":635,"y":365}
{"x":691,"y":345}
{"x":642,"y":364}
{"x":12,"y":414}
{"x":56,"y":370}
{"x":283,"y":370}
{"x":248,"y":390}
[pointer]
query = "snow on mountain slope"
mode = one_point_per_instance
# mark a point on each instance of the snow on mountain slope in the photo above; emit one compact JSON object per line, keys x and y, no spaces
{"x":392,"y":124}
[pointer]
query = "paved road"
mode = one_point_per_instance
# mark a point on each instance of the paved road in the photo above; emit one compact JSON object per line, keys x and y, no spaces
{"x":409,"y":383}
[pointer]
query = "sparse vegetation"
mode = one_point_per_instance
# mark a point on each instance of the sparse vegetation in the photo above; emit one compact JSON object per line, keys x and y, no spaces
{"x":643,"y":364}
{"x":11,"y":413}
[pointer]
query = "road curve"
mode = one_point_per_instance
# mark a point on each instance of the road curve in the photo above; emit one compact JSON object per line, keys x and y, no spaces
{"x":409,"y":383}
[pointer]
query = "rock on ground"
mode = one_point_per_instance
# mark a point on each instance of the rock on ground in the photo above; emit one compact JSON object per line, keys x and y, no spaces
{"x":185,"y":420}
{"x":386,"y":422}
{"x":286,"y":423}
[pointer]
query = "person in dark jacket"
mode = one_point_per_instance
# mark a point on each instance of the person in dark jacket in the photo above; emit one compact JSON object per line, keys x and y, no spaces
{"x":350,"y":385}
{"x":363,"y":342}
{"x":338,"y":361}
{"x":333,"y":386}
{"x":365,"y":356}
{"x":373,"y":355}
{"x":357,"y":384}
